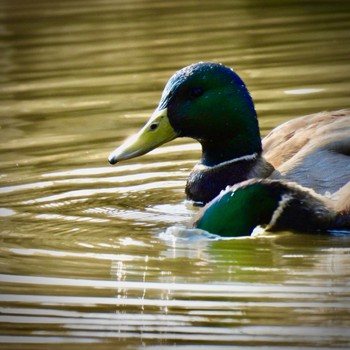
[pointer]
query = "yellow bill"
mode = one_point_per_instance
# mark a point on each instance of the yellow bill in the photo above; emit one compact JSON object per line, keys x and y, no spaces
{"x":156,"y":132}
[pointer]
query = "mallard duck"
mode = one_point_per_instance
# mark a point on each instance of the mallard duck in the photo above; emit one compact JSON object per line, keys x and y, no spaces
{"x":211,"y":104}
{"x":277,"y":205}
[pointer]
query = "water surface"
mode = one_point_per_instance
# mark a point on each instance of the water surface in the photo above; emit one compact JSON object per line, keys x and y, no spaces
{"x":84,"y":261}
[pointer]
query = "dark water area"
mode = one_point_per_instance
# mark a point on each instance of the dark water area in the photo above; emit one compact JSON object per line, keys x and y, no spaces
{"x":84,"y":260}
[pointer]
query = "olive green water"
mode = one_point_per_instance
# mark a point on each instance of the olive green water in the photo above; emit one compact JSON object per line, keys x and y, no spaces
{"x":83,"y":260}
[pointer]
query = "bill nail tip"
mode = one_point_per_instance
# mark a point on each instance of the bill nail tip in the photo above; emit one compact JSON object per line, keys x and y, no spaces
{"x":112,"y":161}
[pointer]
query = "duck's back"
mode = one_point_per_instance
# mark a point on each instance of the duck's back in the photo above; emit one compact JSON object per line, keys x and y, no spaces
{"x":313,"y":150}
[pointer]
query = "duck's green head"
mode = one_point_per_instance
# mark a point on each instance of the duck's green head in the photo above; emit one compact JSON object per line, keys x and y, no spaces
{"x":204,"y":101}
{"x":276,"y":204}
{"x":238,"y":210}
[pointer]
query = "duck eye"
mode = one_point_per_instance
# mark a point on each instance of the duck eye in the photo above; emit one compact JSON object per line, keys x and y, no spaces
{"x":196,"y":92}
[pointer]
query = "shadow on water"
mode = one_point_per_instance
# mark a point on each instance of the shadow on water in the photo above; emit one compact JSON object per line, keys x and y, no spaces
{"x":83,"y":255}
